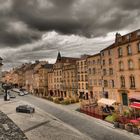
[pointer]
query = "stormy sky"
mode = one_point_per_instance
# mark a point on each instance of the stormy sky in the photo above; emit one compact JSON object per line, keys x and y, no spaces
{"x":38,"y":29}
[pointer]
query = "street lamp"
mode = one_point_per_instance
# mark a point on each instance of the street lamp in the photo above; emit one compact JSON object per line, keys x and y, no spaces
{"x":6,"y":87}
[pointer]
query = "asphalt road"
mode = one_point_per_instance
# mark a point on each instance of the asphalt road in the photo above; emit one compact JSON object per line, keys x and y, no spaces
{"x":94,"y":128}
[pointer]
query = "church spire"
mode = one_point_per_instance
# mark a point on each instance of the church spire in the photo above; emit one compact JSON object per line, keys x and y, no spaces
{"x":58,"y":56}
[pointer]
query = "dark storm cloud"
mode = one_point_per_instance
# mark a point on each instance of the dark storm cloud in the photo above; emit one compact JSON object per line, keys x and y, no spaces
{"x":82,"y":17}
{"x":23,"y":23}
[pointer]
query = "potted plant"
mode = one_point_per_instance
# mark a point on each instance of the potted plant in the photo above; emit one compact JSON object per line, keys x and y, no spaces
{"x":135,"y":129}
{"x":139,"y":129}
{"x":116,"y":124}
{"x":128,"y":127}
{"x":121,"y":125}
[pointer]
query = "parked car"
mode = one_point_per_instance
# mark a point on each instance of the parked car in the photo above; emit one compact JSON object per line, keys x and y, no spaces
{"x":25,"y":109}
{"x":11,"y":95}
{"x":21,"y":93}
{"x":16,"y":90}
{"x":25,"y":92}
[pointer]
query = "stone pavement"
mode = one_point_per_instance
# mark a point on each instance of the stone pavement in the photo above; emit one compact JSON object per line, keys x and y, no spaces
{"x":40,"y":125}
{"x":8,"y":129}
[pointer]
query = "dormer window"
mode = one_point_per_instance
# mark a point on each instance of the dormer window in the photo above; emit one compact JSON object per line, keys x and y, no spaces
{"x":128,"y":37}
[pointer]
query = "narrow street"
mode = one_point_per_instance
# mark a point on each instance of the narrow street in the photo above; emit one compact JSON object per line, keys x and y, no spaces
{"x":91,"y":127}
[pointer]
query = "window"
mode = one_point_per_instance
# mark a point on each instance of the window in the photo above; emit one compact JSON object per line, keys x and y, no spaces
{"x":82,"y":85}
{"x":79,"y":85}
{"x":120,"y":53}
{"x":122,"y":81}
{"x":100,"y":82}
{"x":130,"y":64}
{"x":90,"y":82}
{"x":138,"y":45}
{"x":105,"y":94}
{"x":86,"y":78}
{"x":102,"y":53}
{"x":110,"y":71}
{"x":110,"y":61}
{"x":105,"y":83}
{"x":103,"y":62}
{"x":109,"y":52}
{"x":112,"y":84}
{"x":128,"y":37}
{"x":98,"y":61}
{"x":104,"y":72}
{"x":93,"y":62}
{"x":89,"y":71}
{"x":84,"y":62}
{"x":86,"y":85}
{"x":78,"y":77}
{"x":121,"y":66}
{"x":82,"y":77}
{"x":129,"y":51}
{"x":132,"y":81}
{"x":94,"y":71}
{"x":139,"y":63}
{"x":95,"y":82}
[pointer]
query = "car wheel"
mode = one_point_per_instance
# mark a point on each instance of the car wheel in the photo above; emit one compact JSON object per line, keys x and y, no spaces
{"x":28,"y":111}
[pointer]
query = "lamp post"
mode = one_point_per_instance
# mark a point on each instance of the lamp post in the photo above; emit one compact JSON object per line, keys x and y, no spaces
{"x":6,"y":87}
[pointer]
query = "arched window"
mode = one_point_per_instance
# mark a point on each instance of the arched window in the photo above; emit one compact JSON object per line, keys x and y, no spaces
{"x":130,"y":64}
{"x":121,"y":65}
{"x":132,"y":81}
{"x":122,"y":81}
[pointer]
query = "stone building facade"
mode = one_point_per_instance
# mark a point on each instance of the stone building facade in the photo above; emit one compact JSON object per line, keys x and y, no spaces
{"x":82,"y":77}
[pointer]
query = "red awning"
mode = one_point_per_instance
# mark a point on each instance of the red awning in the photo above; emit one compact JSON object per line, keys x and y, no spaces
{"x":135,"y":105}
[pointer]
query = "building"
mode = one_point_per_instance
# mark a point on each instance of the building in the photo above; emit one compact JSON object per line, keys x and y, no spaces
{"x":70,"y":80}
{"x":41,"y":80}
{"x":127,"y":57}
{"x":109,"y":73}
{"x":95,"y":90}
{"x":82,"y":77}
{"x":62,"y":66}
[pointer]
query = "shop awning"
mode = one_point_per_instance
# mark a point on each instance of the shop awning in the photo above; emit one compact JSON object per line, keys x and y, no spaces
{"x":135,"y":105}
{"x":134,"y":95}
{"x":106,"y":101}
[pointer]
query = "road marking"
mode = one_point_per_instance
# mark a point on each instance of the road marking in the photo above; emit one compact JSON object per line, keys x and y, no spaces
{"x":36,"y":126}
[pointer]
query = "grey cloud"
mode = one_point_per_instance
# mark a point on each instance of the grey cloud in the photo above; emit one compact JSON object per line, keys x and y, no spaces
{"x":33,"y":18}
{"x":82,"y":17}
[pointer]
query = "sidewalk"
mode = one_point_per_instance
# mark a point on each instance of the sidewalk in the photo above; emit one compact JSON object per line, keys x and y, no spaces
{"x":72,"y":109}
{"x":8,"y":129}
{"x":40,"y":125}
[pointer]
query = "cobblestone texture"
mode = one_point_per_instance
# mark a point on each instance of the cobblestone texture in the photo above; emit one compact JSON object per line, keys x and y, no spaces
{"x":13,"y":133}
